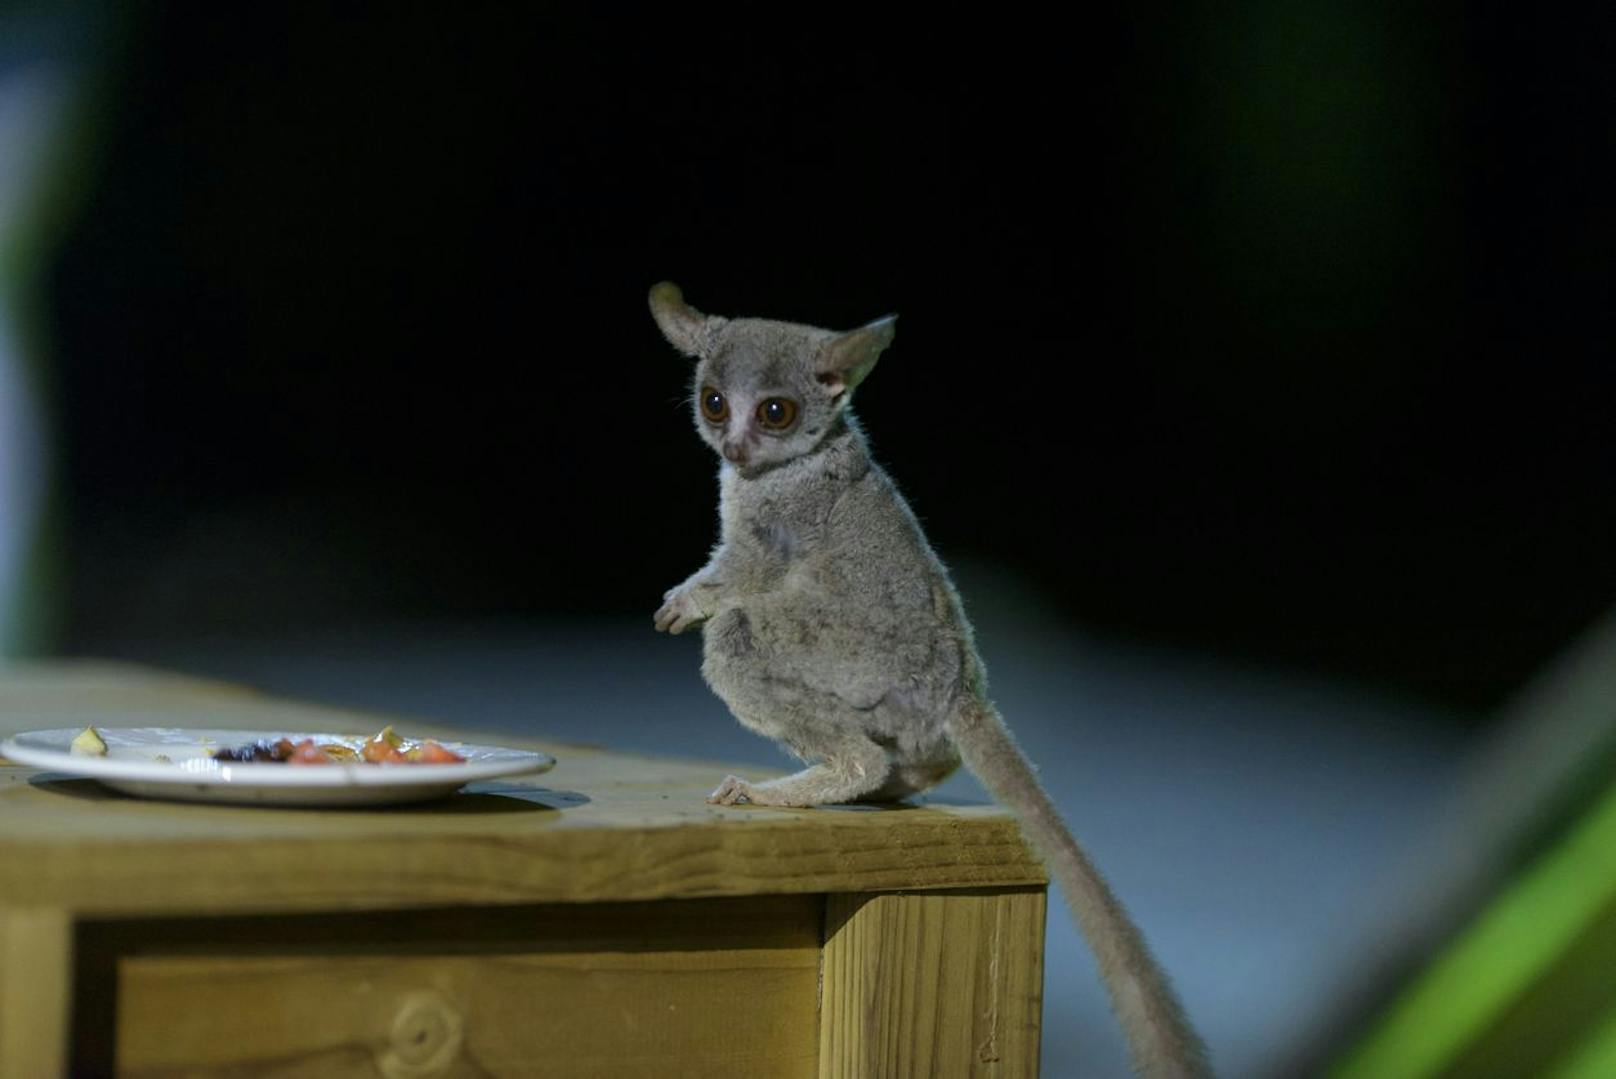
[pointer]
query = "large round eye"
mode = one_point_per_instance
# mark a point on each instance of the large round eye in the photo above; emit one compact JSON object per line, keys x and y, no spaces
{"x":777,"y":413}
{"x":713,"y":405}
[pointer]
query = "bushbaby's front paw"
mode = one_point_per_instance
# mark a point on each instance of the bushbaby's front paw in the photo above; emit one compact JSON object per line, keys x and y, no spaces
{"x":679,"y":611}
{"x":732,"y":790}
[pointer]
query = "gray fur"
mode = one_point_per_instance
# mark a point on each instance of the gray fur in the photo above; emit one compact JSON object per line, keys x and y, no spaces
{"x":831,"y":626}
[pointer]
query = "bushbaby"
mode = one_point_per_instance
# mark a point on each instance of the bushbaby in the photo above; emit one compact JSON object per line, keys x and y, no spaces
{"x":831,"y":626}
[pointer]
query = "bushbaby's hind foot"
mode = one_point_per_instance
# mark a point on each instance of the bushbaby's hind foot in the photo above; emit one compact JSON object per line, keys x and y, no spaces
{"x":735,"y":789}
{"x":732,"y":790}
{"x":860,"y":769}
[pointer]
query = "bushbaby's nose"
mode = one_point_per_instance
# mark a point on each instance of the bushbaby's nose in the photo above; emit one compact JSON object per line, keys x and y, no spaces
{"x":735,"y":453}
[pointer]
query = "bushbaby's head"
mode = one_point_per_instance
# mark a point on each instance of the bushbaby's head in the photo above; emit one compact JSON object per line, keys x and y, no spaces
{"x":766,"y":392}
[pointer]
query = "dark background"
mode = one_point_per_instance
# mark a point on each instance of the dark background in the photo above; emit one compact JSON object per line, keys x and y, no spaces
{"x":1282,"y":333}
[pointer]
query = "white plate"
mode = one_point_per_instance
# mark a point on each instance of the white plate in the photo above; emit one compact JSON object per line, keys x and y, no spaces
{"x":133,"y":765}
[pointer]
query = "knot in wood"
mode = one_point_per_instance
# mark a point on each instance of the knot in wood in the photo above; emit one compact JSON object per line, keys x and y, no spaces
{"x":425,"y":1037}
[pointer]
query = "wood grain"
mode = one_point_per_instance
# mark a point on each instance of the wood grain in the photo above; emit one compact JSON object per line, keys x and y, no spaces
{"x":690,"y":988}
{"x":932,"y":984}
{"x":36,"y":964}
{"x":602,"y":826}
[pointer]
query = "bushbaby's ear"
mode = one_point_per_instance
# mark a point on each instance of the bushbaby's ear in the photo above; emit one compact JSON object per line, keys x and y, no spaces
{"x":848,"y":358}
{"x":687,"y":329}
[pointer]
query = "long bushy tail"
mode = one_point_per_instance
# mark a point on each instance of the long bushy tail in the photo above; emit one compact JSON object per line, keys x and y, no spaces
{"x":1160,"y":1038}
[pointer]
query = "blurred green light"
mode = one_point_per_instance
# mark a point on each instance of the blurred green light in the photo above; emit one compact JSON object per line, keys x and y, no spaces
{"x":1496,"y":966}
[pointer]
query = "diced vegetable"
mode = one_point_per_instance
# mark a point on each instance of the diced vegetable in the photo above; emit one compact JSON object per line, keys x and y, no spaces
{"x":306,"y":752}
{"x":88,"y":743}
{"x":380,"y":751}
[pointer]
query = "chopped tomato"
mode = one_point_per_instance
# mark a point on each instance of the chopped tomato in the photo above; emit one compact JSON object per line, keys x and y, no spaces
{"x":306,"y":752}
{"x":378,"y":751}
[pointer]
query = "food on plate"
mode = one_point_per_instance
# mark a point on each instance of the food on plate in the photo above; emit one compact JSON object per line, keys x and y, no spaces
{"x":384,"y":747}
{"x":261,"y":750}
{"x":88,"y":743}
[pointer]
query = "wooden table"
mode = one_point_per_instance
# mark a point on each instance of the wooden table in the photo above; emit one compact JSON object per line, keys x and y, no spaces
{"x":601,"y":919}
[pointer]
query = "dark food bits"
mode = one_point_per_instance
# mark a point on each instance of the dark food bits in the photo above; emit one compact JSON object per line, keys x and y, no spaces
{"x":261,"y":750}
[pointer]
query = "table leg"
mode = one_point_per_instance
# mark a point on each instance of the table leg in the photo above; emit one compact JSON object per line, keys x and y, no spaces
{"x":36,"y":974}
{"x":932,"y":984}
